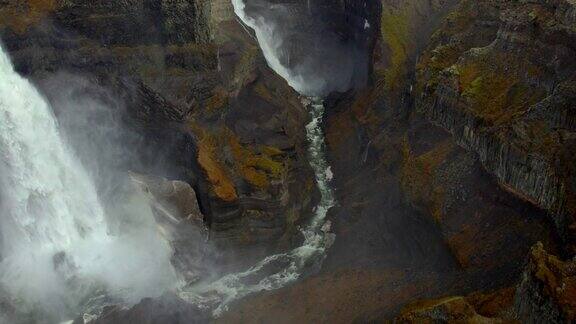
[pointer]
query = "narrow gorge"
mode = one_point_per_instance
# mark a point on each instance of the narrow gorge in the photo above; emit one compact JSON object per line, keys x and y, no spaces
{"x":287,"y":161}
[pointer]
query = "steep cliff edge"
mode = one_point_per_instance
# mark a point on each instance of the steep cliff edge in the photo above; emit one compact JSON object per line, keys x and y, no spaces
{"x":409,"y":166}
{"x":447,"y":166}
{"x":502,"y":82}
{"x":196,"y":85}
{"x":544,"y":294}
{"x":419,"y":216}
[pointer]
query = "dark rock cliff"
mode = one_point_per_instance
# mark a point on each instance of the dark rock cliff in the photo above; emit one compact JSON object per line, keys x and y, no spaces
{"x":455,"y":159}
{"x":503,"y":99}
{"x":544,"y":294}
{"x":414,"y":198}
{"x":419,"y":214}
{"x":195,"y":84}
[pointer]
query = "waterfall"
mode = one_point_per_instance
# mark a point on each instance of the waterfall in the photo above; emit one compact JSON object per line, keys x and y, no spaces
{"x":57,"y":251}
{"x":278,"y":270}
{"x":303,"y":48}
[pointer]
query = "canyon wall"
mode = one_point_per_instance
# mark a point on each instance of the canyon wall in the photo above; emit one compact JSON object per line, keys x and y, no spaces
{"x":468,"y":120}
{"x":195,"y":85}
{"x":485,"y":78}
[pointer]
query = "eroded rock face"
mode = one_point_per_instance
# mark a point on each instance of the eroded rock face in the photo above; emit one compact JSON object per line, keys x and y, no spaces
{"x":547,"y":291}
{"x":177,"y":198}
{"x":446,"y":310}
{"x":196,"y":85}
{"x":318,"y":46}
{"x":485,"y":79}
{"x":412,"y":201}
{"x":545,"y":294}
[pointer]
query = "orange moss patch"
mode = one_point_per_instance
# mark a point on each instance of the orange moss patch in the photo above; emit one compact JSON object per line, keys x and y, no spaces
{"x":448,"y":310}
{"x":493,"y":304}
{"x":222,"y":186}
{"x":218,"y":100}
{"x":558,"y":279}
{"x":476,"y":308}
{"x":20,"y":15}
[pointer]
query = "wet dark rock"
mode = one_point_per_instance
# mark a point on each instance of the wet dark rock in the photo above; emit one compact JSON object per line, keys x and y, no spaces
{"x":166,"y":309}
{"x":544,"y":294}
{"x":185,"y":71}
{"x":438,"y":195}
{"x":547,"y":291}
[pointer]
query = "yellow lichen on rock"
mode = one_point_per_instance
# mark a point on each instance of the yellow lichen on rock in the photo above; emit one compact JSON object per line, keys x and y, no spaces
{"x":256,"y":169}
{"x":208,"y":159}
{"x":495,"y":91}
{"x":395,"y":31}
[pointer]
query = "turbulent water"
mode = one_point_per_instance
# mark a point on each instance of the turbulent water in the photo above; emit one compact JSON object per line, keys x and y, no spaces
{"x":278,"y":270}
{"x":317,"y":51}
{"x":58,"y":253}
{"x":64,"y":251}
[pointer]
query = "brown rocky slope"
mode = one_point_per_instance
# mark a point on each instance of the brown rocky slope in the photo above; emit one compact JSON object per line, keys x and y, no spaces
{"x":424,"y":212}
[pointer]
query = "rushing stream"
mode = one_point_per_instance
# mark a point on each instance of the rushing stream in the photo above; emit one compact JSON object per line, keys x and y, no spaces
{"x":64,"y":253}
{"x":278,"y":270}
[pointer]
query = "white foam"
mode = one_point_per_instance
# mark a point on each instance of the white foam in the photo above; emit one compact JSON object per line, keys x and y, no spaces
{"x":292,"y":264}
{"x":57,"y":247}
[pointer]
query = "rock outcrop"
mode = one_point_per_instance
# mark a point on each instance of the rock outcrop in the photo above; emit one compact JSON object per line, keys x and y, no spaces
{"x":476,"y":308}
{"x":196,"y":85}
{"x":486,"y":80}
{"x":545,"y":294}
{"x":412,"y":200}
{"x":547,"y":290}
{"x":448,"y":166}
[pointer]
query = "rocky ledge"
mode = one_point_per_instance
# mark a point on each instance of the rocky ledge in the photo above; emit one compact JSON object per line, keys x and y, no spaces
{"x":195,"y":85}
{"x":546,"y":293}
{"x":485,"y":78}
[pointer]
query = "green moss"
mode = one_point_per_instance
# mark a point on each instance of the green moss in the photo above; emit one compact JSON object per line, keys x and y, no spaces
{"x":432,"y":63}
{"x":395,"y":31}
{"x":494,"y":89}
{"x":258,"y":169}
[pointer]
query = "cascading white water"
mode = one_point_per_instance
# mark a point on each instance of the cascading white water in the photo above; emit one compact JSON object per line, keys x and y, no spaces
{"x":278,"y":270}
{"x":314,"y":59}
{"x":57,"y":248}
{"x":57,"y":251}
